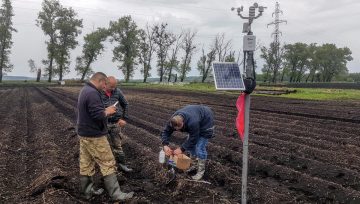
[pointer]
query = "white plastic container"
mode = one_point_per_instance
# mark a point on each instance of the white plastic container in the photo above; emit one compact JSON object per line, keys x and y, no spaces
{"x":161,"y":156}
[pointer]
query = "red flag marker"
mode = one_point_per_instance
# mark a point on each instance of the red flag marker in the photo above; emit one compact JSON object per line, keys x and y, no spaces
{"x":240,"y":119}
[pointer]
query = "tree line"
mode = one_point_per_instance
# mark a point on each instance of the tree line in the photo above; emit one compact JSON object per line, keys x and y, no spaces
{"x":138,"y":48}
{"x":134,"y":47}
{"x":301,"y":62}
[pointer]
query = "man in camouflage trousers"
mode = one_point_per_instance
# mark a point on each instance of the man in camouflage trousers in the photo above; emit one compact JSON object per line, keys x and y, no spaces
{"x":110,"y":96}
{"x":91,"y":127}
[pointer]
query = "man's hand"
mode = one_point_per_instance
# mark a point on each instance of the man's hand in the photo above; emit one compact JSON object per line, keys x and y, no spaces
{"x":177,"y":151}
{"x":110,"y":110}
{"x":168,"y":151}
{"x":121,"y":123}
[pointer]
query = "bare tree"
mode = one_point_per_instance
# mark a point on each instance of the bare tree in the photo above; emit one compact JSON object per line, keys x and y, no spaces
{"x":222,"y":47}
{"x":146,"y":50}
{"x":205,"y":62}
{"x":34,"y":68}
{"x":173,"y":62}
{"x":189,"y":49}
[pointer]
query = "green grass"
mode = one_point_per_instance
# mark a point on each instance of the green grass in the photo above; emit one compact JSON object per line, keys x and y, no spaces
{"x":324,"y":94}
{"x":301,"y":93}
{"x":203,"y":87}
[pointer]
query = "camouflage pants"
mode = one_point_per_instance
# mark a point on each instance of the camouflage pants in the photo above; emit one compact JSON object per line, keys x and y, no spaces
{"x":114,"y":137}
{"x":96,"y":150}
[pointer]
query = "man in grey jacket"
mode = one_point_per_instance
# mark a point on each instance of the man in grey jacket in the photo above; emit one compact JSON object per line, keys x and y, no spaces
{"x":198,"y":122}
{"x":112,"y":95}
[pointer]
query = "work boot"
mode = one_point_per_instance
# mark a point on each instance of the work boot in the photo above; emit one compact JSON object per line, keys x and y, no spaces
{"x":112,"y":186}
{"x":87,"y":187}
{"x":200,"y":170}
{"x":193,"y":167}
{"x":121,"y":162}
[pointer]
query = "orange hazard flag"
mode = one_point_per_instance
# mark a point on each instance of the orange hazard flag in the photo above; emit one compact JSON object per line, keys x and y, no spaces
{"x":240,"y":119}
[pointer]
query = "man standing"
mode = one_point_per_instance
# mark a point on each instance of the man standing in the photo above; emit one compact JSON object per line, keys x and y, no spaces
{"x":110,"y":96}
{"x":198,"y":121}
{"x":94,"y":146}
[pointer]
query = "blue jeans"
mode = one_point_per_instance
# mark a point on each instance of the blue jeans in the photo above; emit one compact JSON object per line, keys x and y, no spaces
{"x":200,"y":149}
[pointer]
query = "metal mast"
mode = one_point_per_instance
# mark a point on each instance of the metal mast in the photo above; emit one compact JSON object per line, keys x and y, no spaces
{"x":276,"y":42}
{"x":277,"y":23}
{"x":250,"y":80}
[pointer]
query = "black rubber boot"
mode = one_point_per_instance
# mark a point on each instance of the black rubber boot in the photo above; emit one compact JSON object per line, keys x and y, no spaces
{"x":200,"y":170}
{"x":121,"y":162}
{"x":87,"y":187}
{"x":113,"y":188}
{"x":193,"y":167}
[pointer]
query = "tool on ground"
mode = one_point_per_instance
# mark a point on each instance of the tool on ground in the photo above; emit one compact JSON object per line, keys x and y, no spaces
{"x":198,"y":181}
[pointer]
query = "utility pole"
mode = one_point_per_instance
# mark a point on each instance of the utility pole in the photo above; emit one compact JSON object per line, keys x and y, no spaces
{"x":250,"y":83}
{"x":276,"y":42}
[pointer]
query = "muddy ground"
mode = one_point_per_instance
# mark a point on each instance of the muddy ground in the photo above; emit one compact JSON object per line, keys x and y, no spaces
{"x":300,"y":151}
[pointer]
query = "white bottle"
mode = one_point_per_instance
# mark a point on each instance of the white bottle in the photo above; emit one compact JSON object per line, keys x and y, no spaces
{"x":161,"y":156}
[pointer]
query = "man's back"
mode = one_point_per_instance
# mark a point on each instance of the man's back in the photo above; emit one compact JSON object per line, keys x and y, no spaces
{"x":196,"y":116}
{"x":90,"y":113}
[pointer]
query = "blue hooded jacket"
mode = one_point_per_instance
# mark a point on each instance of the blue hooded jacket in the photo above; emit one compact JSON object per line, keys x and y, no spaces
{"x":198,"y":122}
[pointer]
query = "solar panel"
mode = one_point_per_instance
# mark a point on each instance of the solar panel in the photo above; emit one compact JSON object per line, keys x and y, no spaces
{"x":227,"y":76}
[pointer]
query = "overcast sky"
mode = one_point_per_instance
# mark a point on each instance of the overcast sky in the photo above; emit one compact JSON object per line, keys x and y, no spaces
{"x":309,"y":21}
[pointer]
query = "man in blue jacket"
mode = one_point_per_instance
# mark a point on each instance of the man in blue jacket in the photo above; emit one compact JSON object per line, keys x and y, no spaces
{"x":91,"y":127}
{"x":112,"y":95}
{"x":198,"y":122}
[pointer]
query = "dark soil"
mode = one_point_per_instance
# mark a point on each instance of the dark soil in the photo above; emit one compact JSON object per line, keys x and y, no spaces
{"x":300,"y":151}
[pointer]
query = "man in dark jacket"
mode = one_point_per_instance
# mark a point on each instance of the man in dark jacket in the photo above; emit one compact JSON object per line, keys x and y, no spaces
{"x":94,"y":146}
{"x":198,"y":121}
{"x":112,"y":95}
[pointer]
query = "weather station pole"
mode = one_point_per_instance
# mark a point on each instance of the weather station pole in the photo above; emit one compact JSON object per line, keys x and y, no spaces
{"x":249,"y":44}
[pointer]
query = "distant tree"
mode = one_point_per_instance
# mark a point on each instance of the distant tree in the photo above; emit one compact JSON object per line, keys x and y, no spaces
{"x":205,"y":62}
{"x":34,"y":68}
{"x":222,"y":47}
{"x":92,"y":48}
{"x":125,"y":33}
{"x":163,"y":40}
{"x":68,"y":27}
{"x":230,"y":57}
{"x":285,"y":72}
{"x":6,"y":29}
{"x":296,"y":57}
{"x":47,"y":18}
{"x":333,"y":61}
{"x":355,"y":77}
{"x":314,"y":61}
{"x":268,"y":55}
{"x":146,"y":50}
{"x":173,"y":61}
{"x":189,"y":49}
{"x":273,"y":60}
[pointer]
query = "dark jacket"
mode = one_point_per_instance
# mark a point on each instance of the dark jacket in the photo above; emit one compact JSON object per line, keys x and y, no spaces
{"x":91,"y":119}
{"x":116,"y":95}
{"x":198,"y":122}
